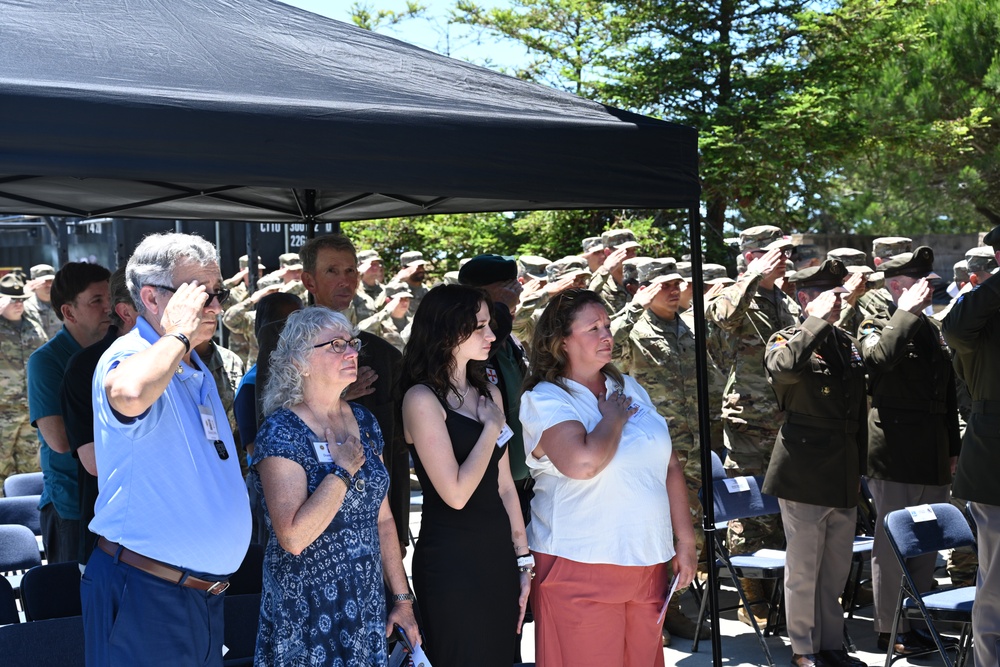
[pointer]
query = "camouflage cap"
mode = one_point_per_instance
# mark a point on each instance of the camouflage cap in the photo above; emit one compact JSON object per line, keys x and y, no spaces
{"x":713,"y":273}
{"x":828,"y":275}
{"x":916,"y":264}
{"x":849,"y":256}
{"x":860,"y":268}
{"x":412,"y":258}
{"x":401,"y":290}
{"x":659,"y":271}
{"x":619,"y":238}
{"x":592,"y":243}
{"x":630,"y":267}
{"x":450,"y":278}
{"x":12,"y":286}
{"x":887,"y":247}
{"x":42,"y":271}
{"x":875,"y":280}
{"x":245,"y":262}
{"x":290,"y":260}
{"x":369,"y":256}
{"x":992,"y":238}
{"x":760,"y":237}
{"x":804,"y":252}
{"x":532,"y":266}
{"x":960,"y":271}
{"x":981,"y":259}
{"x":684,"y":268}
{"x":573,"y":265}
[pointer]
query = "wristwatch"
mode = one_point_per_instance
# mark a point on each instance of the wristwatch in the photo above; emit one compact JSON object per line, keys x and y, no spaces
{"x":343,"y":475}
{"x":403,"y":597}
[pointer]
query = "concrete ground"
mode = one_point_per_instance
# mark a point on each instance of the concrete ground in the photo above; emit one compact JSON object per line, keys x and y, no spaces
{"x":739,"y":643}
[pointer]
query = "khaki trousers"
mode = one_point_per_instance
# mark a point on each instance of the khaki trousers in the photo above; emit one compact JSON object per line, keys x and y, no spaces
{"x":986,"y":610}
{"x":817,"y":563}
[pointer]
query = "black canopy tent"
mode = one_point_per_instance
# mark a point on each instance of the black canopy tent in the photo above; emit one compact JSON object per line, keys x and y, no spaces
{"x":253,"y":110}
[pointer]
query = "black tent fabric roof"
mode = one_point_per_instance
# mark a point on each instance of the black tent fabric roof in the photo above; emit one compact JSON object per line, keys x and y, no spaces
{"x":255,"y":110}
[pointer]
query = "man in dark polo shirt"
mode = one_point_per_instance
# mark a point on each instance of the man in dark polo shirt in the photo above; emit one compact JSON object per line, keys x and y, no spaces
{"x":972,"y":328}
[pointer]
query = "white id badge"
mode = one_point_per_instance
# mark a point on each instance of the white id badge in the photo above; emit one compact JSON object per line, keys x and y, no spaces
{"x":208,"y":422}
{"x":419,"y":658}
{"x":737,"y":484}
{"x":322,"y":450}
{"x":921,"y":513}
{"x":505,"y":434}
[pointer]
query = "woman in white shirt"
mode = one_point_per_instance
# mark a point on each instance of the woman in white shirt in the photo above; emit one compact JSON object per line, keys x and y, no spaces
{"x":609,"y":496}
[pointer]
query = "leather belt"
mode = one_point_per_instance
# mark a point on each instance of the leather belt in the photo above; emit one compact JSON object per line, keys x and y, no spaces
{"x":158,"y":569}
{"x":843,"y":425}
{"x":986,"y":407}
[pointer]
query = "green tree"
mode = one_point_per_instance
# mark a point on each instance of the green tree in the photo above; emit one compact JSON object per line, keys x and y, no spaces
{"x":364,"y":15}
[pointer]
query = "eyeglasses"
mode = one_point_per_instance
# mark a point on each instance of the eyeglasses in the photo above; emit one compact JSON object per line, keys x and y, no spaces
{"x":221,"y":295}
{"x":787,"y":252}
{"x":339,"y":345}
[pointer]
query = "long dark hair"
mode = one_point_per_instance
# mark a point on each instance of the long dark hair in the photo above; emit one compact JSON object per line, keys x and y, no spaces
{"x":548,"y":360}
{"x":445,"y":318}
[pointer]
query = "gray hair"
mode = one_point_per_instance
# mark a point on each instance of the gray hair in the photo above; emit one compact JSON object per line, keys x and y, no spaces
{"x":157,"y":256}
{"x":295,"y":349}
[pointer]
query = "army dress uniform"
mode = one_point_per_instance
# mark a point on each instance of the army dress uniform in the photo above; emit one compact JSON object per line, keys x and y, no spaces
{"x":973,"y":331}
{"x":912,"y":427}
{"x":818,"y":377}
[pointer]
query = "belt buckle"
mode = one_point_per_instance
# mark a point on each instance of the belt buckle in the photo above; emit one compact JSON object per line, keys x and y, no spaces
{"x":218,"y":588}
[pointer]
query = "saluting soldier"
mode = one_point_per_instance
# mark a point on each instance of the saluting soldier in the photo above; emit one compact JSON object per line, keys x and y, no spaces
{"x":913,"y":433}
{"x":19,"y":337}
{"x":973,"y":331}
{"x":38,"y":307}
{"x":883,"y":249}
{"x":818,"y":377}
{"x":657,"y":349}
{"x":609,"y":279}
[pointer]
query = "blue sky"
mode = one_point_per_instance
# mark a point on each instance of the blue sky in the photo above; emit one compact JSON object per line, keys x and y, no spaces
{"x":433,"y":32}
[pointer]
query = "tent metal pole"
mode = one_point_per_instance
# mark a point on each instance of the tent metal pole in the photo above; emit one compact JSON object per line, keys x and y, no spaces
{"x":252,"y":253}
{"x":704,"y":427}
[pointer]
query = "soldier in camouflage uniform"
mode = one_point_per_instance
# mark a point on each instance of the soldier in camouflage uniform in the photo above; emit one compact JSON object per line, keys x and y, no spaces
{"x":593,"y":251}
{"x":619,"y":245}
{"x":392,"y":322}
{"x":413,"y":272}
{"x":884,"y":248}
{"x":19,"y":337}
{"x":38,"y":307}
{"x":372,"y":272}
{"x":656,"y":347}
{"x":239,"y":318}
{"x":748,"y":313}
{"x":560,"y":275}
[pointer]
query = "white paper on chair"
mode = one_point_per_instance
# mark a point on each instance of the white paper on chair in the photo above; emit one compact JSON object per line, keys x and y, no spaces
{"x":419,"y":658}
{"x":737,"y":484}
{"x":921,"y":513}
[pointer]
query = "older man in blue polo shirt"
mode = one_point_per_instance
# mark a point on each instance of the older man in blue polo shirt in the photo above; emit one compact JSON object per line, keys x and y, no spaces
{"x":172,"y":513}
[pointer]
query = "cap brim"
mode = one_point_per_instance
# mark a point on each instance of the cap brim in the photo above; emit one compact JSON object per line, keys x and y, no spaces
{"x":627,"y":245}
{"x":720,"y":281}
{"x":779,"y":243}
{"x":667,"y":278}
{"x":417,"y":262}
{"x":47,"y":276}
{"x":293,"y":267}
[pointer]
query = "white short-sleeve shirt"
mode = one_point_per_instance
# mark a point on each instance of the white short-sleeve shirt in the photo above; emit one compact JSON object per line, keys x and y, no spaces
{"x":622,"y":515}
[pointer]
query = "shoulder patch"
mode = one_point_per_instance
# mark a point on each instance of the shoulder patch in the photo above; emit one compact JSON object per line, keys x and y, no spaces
{"x":777,"y":341}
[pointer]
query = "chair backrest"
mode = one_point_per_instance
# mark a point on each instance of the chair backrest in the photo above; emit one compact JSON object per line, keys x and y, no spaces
{"x":23,"y":484}
{"x":18,"y":549}
{"x":22,"y":510}
{"x":249,"y":578}
{"x":54,"y":643}
{"x":732,"y":503}
{"x":718,"y":469}
{"x":910,"y":538}
{"x":51,"y":591}
{"x":8,"y":603}
{"x":242,"y":616}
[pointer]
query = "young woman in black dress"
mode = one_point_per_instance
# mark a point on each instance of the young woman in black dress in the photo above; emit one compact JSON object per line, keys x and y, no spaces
{"x":470,"y":589}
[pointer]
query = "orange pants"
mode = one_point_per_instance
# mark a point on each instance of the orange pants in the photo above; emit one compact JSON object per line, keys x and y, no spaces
{"x":604,"y":615}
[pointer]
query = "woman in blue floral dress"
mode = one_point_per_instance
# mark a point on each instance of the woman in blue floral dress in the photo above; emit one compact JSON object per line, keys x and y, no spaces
{"x":324,"y":488}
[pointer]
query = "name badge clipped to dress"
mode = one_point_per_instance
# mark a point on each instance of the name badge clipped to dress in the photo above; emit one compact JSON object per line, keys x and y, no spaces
{"x":640,"y":410}
{"x":505,"y":434}
{"x":322,"y":450}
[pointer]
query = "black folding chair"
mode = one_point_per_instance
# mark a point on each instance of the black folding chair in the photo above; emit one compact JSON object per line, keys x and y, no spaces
{"x":54,"y":643}
{"x":242,"y":614}
{"x":8,"y":603}
{"x":18,"y":552}
{"x":741,"y":498}
{"x":947,"y":528}
{"x":51,"y":591}
{"x":23,"y":484}
{"x":22,"y":510}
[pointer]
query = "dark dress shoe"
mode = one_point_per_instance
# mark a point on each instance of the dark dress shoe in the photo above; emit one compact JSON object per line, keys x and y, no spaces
{"x":923,"y":636}
{"x":906,"y":643}
{"x":840,"y":658}
{"x":808,"y":660}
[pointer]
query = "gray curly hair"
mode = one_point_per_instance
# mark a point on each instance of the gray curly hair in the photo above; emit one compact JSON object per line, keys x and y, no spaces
{"x":292,"y":356}
{"x":157,"y":256}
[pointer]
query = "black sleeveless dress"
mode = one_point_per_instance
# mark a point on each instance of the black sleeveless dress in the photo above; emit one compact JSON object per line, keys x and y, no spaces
{"x":464,"y":570}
